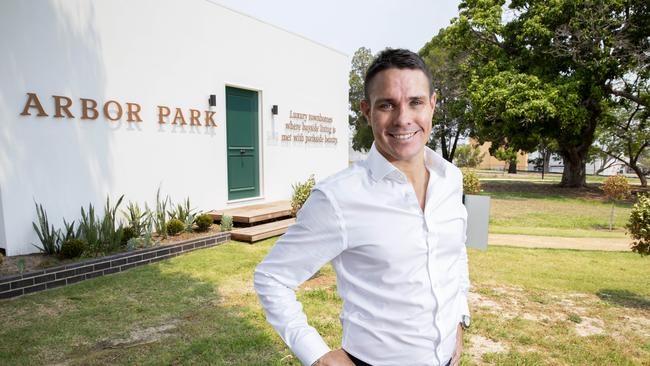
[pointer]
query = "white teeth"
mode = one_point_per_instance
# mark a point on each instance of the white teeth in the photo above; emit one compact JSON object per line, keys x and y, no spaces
{"x":403,"y":137}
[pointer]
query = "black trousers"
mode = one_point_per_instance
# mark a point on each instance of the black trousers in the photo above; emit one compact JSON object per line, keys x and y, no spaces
{"x":358,"y":362}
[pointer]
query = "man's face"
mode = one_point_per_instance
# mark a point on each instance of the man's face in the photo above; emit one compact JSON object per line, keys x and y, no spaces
{"x":399,"y":112}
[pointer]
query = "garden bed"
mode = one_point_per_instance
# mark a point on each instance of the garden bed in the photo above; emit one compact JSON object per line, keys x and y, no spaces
{"x":68,"y":272}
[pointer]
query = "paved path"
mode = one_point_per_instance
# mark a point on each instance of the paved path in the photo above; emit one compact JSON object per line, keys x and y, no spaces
{"x":530,"y":241}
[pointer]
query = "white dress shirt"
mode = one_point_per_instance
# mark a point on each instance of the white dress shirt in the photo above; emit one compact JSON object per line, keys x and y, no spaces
{"x":402,"y":273}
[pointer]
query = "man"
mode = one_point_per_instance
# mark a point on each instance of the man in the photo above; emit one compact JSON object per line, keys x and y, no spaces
{"x":393,"y":227}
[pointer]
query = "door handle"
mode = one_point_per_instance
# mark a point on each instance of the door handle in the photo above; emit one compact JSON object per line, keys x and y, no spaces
{"x":242,"y":151}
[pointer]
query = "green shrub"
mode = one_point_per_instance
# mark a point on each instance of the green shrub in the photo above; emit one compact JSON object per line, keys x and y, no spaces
{"x":48,"y":236}
{"x":301,"y":192}
{"x":204,"y":222}
{"x":616,"y":188}
{"x":73,"y":248}
{"x":638,"y":225}
{"x":468,"y":156}
{"x":144,"y":241}
{"x":69,"y":232}
{"x":471,"y":183}
{"x":226,"y":223}
{"x":137,"y":218}
{"x":175,"y":226}
{"x":184,"y":213}
{"x":127,"y":234}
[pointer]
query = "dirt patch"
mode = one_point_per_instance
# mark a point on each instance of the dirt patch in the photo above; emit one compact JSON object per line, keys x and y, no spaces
{"x":479,"y":345}
{"x":590,"y":326}
{"x":319,"y":281}
{"x":141,"y":336}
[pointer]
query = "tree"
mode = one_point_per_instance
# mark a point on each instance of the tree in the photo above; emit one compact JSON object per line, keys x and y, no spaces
{"x":509,"y":155}
{"x":450,"y":122}
{"x":551,"y":69}
{"x":468,"y":156}
{"x":362,"y":137}
{"x":627,"y":135}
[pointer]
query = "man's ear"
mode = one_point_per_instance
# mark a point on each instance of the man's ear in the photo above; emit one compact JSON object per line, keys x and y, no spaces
{"x":365,"y":109}
{"x":433,"y":101}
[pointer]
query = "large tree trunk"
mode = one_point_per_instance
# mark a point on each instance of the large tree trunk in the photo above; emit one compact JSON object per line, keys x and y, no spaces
{"x":547,"y":162}
{"x":575,"y":172}
{"x":512,"y":168}
{"x":639,"y":173}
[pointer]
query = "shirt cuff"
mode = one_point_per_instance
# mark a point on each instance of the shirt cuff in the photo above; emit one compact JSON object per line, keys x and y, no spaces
{"x":464,"y":306}
{"x":312,"y":347}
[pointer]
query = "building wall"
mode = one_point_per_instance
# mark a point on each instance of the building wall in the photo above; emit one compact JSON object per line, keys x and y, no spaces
{"x":492,"y":163}
{"x":171,"y":53}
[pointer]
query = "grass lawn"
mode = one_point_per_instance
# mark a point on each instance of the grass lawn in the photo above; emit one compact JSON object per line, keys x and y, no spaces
{"x":554,"y":214}
{"x":530,"y":307}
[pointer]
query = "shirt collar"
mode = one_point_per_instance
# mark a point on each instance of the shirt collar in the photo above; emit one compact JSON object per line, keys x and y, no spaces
{"x":381,"y":168}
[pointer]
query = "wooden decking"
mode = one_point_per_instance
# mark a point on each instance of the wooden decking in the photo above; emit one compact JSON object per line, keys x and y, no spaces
{"x":260,"y":232}
{"x":261,"y":221}
{"x":255,"y":213}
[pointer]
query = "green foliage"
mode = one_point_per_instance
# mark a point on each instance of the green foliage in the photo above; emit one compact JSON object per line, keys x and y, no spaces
{"x":184,"y":213}
{"x":68,"y":232}
{"x":137,"y":218}
{"x":638,"y":225}
{"x":471,"y":183}
{"x":203,"y":222}
{"x":226,"y":223}
{"x":175,"y":226}
{"x":89,"y":229}
{"x":103,"y":236}
{"x":48,"y":236}
{"x":127,"y":234}
{"x":73,"y":248}
{"x":21,"y":265}
{"x":300,"y":194}
{"x":362,"y":137}
{"x":450,"y":78}
{"x":142,"y":242}
{"x":160,"y":215}
{"x":545,"y":69}
{"x":110,"y":232}
{"x":468,"y":156}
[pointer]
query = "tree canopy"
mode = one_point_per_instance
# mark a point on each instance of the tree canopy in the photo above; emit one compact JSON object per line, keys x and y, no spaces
{"x":549,"y":69}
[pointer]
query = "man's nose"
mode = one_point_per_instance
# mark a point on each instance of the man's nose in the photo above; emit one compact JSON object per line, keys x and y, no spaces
{"x":404,"y":115}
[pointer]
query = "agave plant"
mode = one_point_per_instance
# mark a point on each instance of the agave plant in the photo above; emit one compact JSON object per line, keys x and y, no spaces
{"x":48,"y":236}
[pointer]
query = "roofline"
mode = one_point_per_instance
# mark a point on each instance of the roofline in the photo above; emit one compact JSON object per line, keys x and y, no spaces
{"x":278,"y":27}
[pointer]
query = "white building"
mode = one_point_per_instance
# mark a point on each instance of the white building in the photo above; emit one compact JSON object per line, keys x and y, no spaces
{"x":102,"y":98}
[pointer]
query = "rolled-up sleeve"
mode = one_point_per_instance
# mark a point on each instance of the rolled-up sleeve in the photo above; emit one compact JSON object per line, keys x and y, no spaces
{"x":317,"y":237}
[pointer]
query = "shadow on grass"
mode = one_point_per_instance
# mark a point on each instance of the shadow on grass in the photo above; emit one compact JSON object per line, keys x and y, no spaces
{"x":624,"y":298}
{"x":151,"y":315}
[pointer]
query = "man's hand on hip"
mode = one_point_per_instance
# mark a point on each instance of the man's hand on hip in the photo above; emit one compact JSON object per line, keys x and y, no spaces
{"x":334,"y":358}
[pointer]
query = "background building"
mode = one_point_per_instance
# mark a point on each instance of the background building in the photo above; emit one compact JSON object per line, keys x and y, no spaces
{"x":104,"y":98}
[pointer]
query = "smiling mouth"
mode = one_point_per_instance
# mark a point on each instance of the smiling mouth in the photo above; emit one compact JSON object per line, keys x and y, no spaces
{"x":403,"y":136}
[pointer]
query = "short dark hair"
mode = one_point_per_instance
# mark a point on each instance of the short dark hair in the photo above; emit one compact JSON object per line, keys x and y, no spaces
{"x":398,"y":59}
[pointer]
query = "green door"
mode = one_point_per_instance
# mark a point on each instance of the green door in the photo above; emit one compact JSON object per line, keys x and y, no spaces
{"x":242,"y":135}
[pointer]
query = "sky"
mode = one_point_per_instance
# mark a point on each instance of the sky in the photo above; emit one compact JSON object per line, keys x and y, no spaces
{"x":346,"y":25}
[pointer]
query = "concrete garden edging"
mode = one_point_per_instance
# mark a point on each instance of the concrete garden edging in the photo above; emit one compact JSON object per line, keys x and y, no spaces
{"x":27,"y":283}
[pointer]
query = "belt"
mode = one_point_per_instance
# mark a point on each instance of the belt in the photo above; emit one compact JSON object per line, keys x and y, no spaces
{"x":358,"y":362}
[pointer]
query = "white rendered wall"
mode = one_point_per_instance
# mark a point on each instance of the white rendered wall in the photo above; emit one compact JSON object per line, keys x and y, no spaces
{"x":172,"y":53}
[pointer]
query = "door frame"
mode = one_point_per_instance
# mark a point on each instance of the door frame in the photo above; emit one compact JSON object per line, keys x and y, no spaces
{"x":260,"y":132}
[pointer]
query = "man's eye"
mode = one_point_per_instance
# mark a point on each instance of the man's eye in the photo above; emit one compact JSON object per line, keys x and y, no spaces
{"x":385,"y":106}
{"x":416,"y":102}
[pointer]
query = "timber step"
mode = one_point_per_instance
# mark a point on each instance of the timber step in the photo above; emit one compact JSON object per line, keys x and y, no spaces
{"x":255,"y":213}
{"x":263,"y":231}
